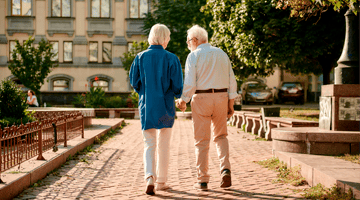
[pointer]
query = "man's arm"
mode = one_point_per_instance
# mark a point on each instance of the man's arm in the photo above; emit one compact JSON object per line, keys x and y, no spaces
{"x":232,"y":90}
{"x":190,"y":78}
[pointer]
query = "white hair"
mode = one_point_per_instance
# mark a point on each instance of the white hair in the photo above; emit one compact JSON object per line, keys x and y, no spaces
{"x":159,"y":34}
{"x":199,"y":33}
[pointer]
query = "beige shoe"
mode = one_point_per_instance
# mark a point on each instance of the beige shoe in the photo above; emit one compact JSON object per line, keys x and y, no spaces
{"x":162,"y":186}
{"x":150,"y":186}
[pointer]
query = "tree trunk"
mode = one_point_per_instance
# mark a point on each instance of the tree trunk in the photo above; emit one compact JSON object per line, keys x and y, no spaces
{"x":327,"y":65}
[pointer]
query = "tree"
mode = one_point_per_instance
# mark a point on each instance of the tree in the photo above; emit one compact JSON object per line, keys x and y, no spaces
{"x":258,"y":37}
{"x":178,"y":16}
{"x":310,"y":8}
{"x":32,"y":64}
{"x":129,"y":56}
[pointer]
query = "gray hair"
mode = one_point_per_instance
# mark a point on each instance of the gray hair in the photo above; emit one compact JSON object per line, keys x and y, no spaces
{"x":159,"y":34}
{"x":199,"y":33}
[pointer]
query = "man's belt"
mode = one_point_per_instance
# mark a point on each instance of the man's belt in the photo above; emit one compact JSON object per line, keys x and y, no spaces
{"x":211,"y":91}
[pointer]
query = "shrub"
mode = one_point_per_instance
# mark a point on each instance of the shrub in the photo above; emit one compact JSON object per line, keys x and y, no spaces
{"x":13,"y":105}
{"x":95,"y":98}
{"x":79,"y":100}
{"x":115,"y":102}
{"x":12,"y":100}
{"x":134,"y":96}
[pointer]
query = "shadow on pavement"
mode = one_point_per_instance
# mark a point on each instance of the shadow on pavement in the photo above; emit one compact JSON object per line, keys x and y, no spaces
{"x":217,"y":194}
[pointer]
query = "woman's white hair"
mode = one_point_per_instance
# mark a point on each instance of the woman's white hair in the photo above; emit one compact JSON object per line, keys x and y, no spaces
{"x":198,"y":32}
{"x":159,"y":34}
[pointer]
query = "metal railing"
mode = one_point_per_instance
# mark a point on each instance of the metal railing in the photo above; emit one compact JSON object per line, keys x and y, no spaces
{"x":21,"y":143}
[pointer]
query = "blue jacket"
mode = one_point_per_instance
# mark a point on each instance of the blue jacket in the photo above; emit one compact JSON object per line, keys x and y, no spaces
{"x":156,"y":75}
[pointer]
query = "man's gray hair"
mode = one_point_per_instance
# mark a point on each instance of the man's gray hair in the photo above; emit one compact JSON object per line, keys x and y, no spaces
{"x":159,"y":34}
{"x":199,"y":33}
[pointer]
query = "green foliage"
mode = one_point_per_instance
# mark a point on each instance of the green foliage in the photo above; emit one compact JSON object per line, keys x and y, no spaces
{"x":13,"y":105}
{"x":322,"y":193}
{"x":129,"y":56}
{"x":32,"y":64}
{"x":310,"y":8}
{"x":79,"y":100}
{"x":95,"y":98}
{"x":286,"y":175}
{"x":115,"y":102}
{"x":134,"y":96}
{"x":178,"y":16}
{"x":258,"y":37}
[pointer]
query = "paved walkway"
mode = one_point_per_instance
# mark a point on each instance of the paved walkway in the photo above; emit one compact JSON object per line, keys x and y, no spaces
{"x":115,"y":170}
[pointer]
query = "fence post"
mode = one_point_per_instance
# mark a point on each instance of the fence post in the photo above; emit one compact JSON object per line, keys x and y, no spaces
{"x":65,"y":137}
{"x":1,"y":157}
{"x":82,"y":127}
{"x":40,"y":157}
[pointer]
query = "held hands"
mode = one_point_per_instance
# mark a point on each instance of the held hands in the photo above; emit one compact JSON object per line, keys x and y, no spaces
{"x":181,"y":104}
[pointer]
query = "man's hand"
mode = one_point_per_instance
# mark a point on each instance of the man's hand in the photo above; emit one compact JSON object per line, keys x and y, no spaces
{"x":230,"y":108}
{"x":181,"y":104}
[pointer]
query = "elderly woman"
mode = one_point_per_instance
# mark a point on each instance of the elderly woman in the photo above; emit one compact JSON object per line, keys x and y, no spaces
{"x":156,"y":75}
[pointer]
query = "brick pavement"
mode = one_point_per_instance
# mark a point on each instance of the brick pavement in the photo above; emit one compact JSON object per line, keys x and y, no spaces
{"x":115,"y":170}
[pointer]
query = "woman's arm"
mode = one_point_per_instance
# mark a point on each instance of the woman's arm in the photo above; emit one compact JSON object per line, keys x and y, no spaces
{"x":134,"y":75}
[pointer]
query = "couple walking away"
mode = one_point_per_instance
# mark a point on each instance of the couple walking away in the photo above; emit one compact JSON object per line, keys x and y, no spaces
{"x":209,"y":83}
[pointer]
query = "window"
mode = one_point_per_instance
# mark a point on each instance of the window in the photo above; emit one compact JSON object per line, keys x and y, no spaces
{"x":130,"y":45}
{"x":101,"y":84}
{"x":11,"y":49}
{"x":60,"y":8}
{"x":93,"y":51}
{"x":61,"y":85}
{"x":100,"y":8}
{"x":138,"y":8}
{"x":68,"y":52}
{"x":107,"y":58}
{"x":55,"y":50}
{"x":21,"y":7}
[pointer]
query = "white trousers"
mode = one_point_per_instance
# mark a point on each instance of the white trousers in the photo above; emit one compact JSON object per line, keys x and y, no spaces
{"x":159,"y":138}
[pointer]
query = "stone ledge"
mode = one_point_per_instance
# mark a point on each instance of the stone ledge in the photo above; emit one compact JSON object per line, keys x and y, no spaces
{"x":34,"y":170}
{"x":313,"y":140}
{"x":326,"y":170}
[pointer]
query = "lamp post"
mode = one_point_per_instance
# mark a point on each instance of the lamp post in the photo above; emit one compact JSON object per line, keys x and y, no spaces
{"x":347,"y":71}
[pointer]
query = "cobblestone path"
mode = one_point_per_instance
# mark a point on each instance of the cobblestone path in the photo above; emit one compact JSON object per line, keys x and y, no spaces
{"x":115,"y":170}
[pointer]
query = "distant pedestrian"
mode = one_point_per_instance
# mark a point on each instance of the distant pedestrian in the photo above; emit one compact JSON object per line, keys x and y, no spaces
{"x":156,"y":75}
{"x":211,"y":84}
{"x":31,"y":99}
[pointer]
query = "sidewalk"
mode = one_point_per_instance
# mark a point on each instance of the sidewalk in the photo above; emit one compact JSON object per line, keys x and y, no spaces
{"x":115,"y":170}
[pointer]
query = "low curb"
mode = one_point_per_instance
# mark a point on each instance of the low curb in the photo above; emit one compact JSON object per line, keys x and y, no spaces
{"x":327,"y":170}
{"x":34,"y":170}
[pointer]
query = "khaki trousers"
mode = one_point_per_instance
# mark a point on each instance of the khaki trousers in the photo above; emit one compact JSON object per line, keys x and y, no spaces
{"x":210,"y":109}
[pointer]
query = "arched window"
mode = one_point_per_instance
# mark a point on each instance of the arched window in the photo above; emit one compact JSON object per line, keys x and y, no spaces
{"x":18,"y":83}
{"x":101,"y":80}
{"x":60,"y":82}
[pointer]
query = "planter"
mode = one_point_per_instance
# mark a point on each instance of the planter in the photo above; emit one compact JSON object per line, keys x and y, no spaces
{"x":127,"y":114}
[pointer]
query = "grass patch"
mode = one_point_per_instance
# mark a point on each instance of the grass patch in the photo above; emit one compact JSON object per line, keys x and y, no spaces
{"x":257,"y":138}
{"x":320,"y":192}
{"x":352,"y":158}
{"x":14,"y":172}
{"x":300,"y":113}
{"x":291,"y":175}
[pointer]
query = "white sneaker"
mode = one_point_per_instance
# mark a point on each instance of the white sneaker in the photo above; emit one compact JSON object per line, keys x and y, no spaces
{"x":162,"y":186}
{"x":150,"y":186}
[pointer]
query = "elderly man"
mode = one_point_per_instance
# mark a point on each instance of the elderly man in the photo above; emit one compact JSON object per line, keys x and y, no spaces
{"x":210,"y":82}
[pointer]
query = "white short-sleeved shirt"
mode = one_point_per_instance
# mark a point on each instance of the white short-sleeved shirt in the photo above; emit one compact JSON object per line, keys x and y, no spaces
{"x":35,"y":102}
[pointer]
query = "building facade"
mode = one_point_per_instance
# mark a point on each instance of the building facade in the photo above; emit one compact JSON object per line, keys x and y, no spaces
{"x":88,"y":35}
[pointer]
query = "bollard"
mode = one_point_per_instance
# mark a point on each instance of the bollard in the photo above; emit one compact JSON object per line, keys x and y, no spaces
{"x":55,"y":148}
{"x":40,"y":157}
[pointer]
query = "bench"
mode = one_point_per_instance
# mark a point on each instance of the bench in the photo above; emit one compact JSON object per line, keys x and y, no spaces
{"x":278,"y":122}
{"x":253,"y":123}
{"x":238,"y":119}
